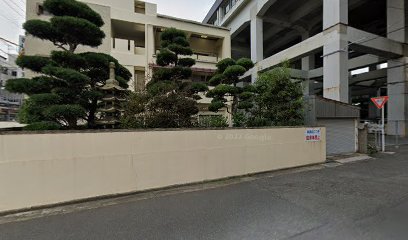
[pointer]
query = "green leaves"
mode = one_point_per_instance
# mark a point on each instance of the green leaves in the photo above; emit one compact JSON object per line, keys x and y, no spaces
{"x":172,"y":35}
{"x":246,"y":63}
{"x":166,"y":57}
{"x":280,"y":101}
{"x":245,"y":105}
{"x":170,"y":98}
{"x":170,"y":111}
{"x":96,"y":67}
{"x":222,"y":90}
{"x":215,"y":106}
{"x":74,"y":23}
{"x":198,"y":87}
{"x":42,"y":126}
{"x":234,"y":72}
{"x":162,"y":74}
{"x":44,"y":30}
{"x":76,"y":31}
{"x":74,"y":9}
{"x":181,"y":40}
{"x":186,"y":62}
{"x":216,"y":79}
{"x":227,"y":91}
{"x":65,"y":112}
{"x":36,"y":85}
{"x":217,"y":121}
{"x":181,"y":73}
{"x":224,"y":64}
{"x":180,"y":50}
{"x":33,"y":108}
{"x":68,"y":90}
{"x":161,"y":87}
{"x":68,"y":59}
{"x":34,"y":63}
{"x":68,"y":75}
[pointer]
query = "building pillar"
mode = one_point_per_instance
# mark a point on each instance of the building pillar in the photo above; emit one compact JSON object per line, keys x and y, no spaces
{"x":257,"y":47}
{"x":150,"y":51}
{"x":397,"y":74}
{"x":256,"y":39}
{"x":335,"y":50}
{"x":308,"y":63}
{"x":226,"y":47}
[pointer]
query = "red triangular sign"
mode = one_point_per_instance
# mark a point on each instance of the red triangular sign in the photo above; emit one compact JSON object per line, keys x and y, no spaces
{"x":380,"y":101}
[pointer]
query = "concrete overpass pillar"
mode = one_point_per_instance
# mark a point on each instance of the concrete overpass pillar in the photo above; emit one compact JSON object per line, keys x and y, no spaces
{"x":335,"y":50}
{"x":256,"y":39}
{"x":397,"y":73}
{"x":308,"y":63}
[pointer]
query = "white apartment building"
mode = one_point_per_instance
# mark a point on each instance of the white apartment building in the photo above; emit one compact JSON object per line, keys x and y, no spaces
{"x":133,"y":30}
{"x":9,"y":102}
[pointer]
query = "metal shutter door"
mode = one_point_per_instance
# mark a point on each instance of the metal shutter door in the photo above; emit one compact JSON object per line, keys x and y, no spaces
{"x":341,"y":135}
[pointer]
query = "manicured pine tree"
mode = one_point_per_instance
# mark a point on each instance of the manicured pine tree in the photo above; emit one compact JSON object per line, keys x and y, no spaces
{"x":227,"y":92}
{"x":66,"y":89}
{"x":173,"y":96}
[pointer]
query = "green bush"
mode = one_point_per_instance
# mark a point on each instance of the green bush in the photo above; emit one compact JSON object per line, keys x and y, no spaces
{"x":240,"y":119}
{"x":214,"y":121}
{"x":279,"y":99}
{"x":224,"y":64}
{"x":246,"y":63}
{"x":42,"y":126}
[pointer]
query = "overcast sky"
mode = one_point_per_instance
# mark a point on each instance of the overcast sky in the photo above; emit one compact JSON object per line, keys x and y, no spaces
{"x":12,"y":14}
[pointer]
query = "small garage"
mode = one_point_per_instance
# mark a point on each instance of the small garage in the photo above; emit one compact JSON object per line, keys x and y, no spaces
{"x":341,"y":122}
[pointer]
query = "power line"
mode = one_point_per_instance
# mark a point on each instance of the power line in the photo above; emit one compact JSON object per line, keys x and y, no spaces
{"x":1,"y":50}
{"x":18,"y":6}
{"x":10,"y":42}
{"x":10,"y":20}
{"x":12,"y":8}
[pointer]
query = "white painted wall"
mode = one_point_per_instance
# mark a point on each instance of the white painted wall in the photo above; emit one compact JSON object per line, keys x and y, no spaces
{"x":43,"y":169}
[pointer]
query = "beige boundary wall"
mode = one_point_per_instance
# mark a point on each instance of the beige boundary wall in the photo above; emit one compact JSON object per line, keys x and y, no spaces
{"x":52,"y":168}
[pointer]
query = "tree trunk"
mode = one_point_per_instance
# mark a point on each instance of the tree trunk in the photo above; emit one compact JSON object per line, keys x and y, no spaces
{"x":72,"y":123}
{"x":72,"y":47}
{"x":92,"y":113}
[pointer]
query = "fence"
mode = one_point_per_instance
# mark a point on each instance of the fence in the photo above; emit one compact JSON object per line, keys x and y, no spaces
{"x":395,"y":134}
{"x":50,"y":168}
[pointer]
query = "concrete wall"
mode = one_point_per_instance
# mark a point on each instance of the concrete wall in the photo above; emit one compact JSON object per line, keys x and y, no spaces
{"x":42,"y":169}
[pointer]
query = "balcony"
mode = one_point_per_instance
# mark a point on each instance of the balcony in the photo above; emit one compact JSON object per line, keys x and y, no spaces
{"x":205,"y":58}
{"x":127,"y":53}
{"x":127,"y":46}
{"x":200,"y":58}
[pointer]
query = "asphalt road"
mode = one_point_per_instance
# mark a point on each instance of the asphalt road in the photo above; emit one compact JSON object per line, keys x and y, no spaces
{"x":364,"y":200}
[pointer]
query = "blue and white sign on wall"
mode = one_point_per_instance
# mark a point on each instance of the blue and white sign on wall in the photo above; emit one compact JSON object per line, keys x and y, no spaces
{"x":313,"y":134}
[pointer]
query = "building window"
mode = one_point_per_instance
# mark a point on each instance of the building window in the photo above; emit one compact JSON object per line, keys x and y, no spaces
{"x":229,"y":4}
{"x":41,"y":10}
{"x":14,"y":73}
{"x":140,"y":7}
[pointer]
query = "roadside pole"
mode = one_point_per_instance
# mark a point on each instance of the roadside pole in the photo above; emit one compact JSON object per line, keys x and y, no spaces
{"x":383,"y":129}
{"x":380,"y":103}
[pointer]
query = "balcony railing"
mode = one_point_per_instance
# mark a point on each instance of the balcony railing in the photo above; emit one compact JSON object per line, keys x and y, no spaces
{"x":209,"y":58}
{"x":127,"y":46}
